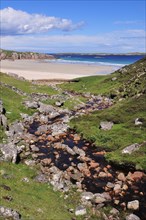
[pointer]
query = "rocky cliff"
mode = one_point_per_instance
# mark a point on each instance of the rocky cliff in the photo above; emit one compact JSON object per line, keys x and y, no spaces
{"x":13,"y":55}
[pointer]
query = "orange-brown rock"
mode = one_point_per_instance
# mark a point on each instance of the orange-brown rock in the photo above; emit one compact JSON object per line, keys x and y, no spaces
{"x":137,"y":175}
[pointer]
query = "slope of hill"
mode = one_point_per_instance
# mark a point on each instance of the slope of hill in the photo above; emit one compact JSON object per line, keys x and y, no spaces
{"x":127,"y":88}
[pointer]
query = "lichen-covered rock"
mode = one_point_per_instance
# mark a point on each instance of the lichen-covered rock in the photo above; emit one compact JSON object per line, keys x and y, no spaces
{"x":130,"y":149}
{"x":9,"y":152}
{"x":106,"y":125}
{"x":80,"y":210}
{"x":8,"y":213}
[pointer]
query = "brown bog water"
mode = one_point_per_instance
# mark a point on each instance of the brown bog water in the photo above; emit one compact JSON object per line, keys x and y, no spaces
{"x":91,"y":182}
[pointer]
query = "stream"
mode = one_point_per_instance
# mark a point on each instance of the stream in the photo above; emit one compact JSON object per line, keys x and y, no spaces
{"x":84,"y":165}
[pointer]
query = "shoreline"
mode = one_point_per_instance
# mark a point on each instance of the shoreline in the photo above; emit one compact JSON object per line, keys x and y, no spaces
{"x":40,"y":70}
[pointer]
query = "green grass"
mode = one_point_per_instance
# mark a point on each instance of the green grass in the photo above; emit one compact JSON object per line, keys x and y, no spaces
{"x":92,"y":84}
{"x":126,"y":84}
{"x":123,"y":133}
{"x":26,"y":86}
{"x":29,"y":197}
{"x":13,"y":104}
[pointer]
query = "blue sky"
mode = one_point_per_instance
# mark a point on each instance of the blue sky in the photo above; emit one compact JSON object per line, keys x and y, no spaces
{"x":73,"y":26}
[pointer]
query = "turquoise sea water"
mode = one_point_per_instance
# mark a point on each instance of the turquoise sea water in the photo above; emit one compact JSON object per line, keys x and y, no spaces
{"x":113,"y":60}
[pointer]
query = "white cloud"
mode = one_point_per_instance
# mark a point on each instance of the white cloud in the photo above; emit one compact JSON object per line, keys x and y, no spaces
{"x":15,"y":22}
{"x":117,"y":41}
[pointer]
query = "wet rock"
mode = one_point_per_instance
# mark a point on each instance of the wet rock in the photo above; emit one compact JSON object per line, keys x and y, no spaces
{"x":46,"y":161}
{"x":110,"y":185}
{"x":79,"y":151}
{"x":34,"y":148}
{"x":134,"y":205}
{"x":121,"y":177}
{"x":9,"y":152}
{"x":80,"y":210}
{"x":130,"y":149}
{"x":58,"y":129}
{"x":42,"y":129}
{"x":8,"y":213}
{"x":31,"y":104}
{"x":138,"y":122}
{"x":76,"y":137}
{"x":105,"y":125}
{"x":132,"y":217}
{"x":101,"y":197}
{"x":76,"y":176}
{"x":102,"y":174}
{"x":137,"y":175}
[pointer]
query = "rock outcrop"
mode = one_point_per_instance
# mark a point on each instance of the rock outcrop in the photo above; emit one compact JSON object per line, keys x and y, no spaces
{"x":12,"y":55}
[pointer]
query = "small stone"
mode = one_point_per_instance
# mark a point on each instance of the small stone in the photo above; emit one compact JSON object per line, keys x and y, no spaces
{"x":110,"y":185}
{"x":87,"y":196}
{"x":132,"y":217}
{"x":134,"y":205}
{"x":102,"y":174}
{"x":121,"y":177}
{"x":80,"y":210}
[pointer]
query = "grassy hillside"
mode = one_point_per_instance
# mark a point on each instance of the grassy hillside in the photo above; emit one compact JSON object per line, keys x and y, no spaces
{"x":126,"y":82}
{"x":129,"y":85}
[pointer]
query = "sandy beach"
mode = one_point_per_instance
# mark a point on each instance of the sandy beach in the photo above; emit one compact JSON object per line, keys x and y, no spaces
{"x":38,"y":69}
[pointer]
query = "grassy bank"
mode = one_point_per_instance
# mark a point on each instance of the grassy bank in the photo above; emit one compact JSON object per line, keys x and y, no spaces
{"x":33,"y":200}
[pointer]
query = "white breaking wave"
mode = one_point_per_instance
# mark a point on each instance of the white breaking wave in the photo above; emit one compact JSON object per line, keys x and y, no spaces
{"x":85,"y":62}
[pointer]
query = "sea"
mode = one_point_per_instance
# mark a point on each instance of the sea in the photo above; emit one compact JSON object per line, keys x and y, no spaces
{"x":116,"y":61}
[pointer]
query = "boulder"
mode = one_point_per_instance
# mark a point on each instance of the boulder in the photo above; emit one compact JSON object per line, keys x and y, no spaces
{"x":134,"y":205}
{"x":31,"y":104}
{"x":132,"y":217}
{"x":3,"y":121}
{"x":131,"y":148}
{"x":8,"y":213}
{"x":106,"y":125}
{"x":9,"y":152}
{"x":80,"y":210}
{"x":47,"y":109}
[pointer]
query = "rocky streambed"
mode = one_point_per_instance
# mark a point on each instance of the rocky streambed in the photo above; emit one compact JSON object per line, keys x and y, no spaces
{"x":67,"y":160}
